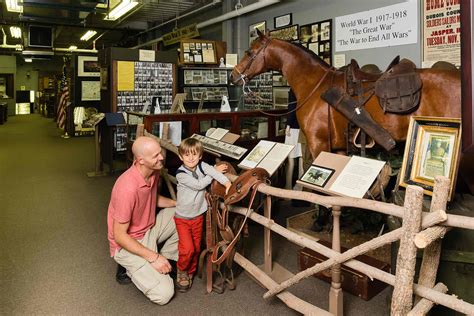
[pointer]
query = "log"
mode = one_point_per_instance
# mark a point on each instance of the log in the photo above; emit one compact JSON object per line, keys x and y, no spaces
{"x":376,"y":206}
{"x":424,"y":305}
{"x":439,"y":298}
{"x":337,"y":259}
{"x":429,"y":235}
{"x":430,"y":219}
{"x":289,"y":299}
{"x":432,"y":253}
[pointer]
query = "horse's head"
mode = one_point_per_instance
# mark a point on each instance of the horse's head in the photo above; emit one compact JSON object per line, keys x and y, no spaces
{"x":253,"y":63}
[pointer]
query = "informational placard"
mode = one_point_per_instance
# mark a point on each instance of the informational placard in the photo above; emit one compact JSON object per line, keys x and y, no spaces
{"x":441,"y":32}
{"x":357,"y":176}
{"x":267,"y":155}
{"x":146,"y":55}
{"x":388,"y":26}
{"x":90,"y":90}
{"x":125,"y":75}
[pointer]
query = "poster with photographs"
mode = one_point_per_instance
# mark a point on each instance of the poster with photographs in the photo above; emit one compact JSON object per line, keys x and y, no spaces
{"x":289,"y":33}
{"x":151,"y":81}
{"x":317,"y":37}
{"x":198,"y":52}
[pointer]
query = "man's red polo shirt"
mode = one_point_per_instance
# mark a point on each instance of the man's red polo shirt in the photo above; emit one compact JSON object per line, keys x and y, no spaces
{"x":134,"y":201}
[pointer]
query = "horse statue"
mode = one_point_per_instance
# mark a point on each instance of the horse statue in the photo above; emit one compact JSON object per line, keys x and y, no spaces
{"x":311,"y":78}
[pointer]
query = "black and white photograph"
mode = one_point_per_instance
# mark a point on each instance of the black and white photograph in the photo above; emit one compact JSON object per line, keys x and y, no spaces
{"x":317,"y":175}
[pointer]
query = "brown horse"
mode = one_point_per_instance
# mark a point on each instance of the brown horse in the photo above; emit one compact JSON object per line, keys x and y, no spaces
{"x":309,"y":77}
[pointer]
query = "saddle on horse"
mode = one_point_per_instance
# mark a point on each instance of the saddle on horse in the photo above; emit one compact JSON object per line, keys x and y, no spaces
{"x":220,"y":237}
{"x":398,"y":90}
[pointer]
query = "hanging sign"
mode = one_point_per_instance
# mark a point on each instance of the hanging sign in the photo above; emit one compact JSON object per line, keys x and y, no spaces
{"x":441,"y":32}
{"x":189,"y":31}
{"x":388,"y":26}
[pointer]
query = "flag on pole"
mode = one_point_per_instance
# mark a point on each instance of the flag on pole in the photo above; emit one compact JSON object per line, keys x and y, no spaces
{"x":63,"y":100}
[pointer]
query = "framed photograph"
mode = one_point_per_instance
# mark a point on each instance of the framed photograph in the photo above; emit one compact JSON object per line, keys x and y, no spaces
{"x":289,"y":33}
{"x":90,"y":90}
{"x":325,"y":32}
{"x":432,"y":149}
{"x":261,"y":26}
{"x":283,"y":20}
{"x":88,"y":66}
{"x":309,"y":33}
{"x":317,"y":175}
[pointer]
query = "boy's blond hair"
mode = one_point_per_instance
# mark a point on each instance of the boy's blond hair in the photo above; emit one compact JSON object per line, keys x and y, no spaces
{"x":190,"y":145}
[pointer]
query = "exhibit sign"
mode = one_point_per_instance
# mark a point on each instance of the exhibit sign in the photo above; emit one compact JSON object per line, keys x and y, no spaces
{"x":388,"y":26}
{"x":90,"y":90}
{"x":441,"y":32}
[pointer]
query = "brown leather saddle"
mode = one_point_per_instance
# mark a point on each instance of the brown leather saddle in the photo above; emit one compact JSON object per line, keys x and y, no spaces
{"x":221,"y":238}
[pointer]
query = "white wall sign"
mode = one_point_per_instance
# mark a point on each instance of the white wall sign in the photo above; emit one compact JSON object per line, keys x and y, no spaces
{"x":388,"y":26}
{"x":146,"y":55}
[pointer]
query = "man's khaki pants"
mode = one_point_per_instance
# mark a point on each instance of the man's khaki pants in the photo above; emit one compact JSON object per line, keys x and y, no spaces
{"x":157,"y":287}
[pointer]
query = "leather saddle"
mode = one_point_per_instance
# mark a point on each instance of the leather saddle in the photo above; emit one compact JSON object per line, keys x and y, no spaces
{"x":221,"y":238}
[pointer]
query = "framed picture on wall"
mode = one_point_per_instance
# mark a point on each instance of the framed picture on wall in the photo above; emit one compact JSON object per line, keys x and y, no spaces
{"x":289,"y":33}
{"x":88,"y":66}
{"x":431,"y":150}
{"x":253,"y":30}
{"x":283,"y":20}
{"x":309,"y":33}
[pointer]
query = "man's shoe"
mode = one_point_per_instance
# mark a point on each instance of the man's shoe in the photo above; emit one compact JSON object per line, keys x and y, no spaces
{"x":121,"y":276}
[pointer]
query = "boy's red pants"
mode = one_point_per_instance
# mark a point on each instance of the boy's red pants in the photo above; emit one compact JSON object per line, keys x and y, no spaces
{"x":189,"y":244}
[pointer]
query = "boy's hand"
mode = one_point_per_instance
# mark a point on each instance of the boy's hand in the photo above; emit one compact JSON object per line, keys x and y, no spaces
{"x":222,"y":168}
{"x":227,"y":186}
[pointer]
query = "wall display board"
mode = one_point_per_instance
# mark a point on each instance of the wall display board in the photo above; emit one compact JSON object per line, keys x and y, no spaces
{"x":205,"y":84}
{"x":261,"y":96}
{"x":267,"y":155}
{"x":341,"y":175}
{"x":198,"y":52}
{"x":140,"y":82}
{"x":317,"y":37}
{"x":441,"y":32}
{"x":432,"y":149}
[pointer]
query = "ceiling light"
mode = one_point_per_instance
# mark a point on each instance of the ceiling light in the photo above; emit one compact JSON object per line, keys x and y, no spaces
{"x":13,"y":6}
{"x":72,"y":47}
{"x":15,"y":31}
{"x":119,"y":10}
{"x":28,"y":60}
{"x":88,"y":35}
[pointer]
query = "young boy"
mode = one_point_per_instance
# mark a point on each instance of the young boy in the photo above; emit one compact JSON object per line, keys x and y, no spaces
{"x":193,"y":177}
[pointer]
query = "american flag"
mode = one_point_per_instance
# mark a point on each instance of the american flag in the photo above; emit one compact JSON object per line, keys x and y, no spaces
{"x":63,"y":100}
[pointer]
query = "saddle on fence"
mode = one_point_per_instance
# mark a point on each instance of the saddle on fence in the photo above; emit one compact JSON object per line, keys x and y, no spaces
{"x":221,"y":238}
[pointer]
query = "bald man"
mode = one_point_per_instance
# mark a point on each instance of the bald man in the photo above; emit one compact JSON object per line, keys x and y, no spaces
{"x":133,"y":229}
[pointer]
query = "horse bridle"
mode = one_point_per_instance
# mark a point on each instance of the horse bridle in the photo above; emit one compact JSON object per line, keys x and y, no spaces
{"x":242,"y":74}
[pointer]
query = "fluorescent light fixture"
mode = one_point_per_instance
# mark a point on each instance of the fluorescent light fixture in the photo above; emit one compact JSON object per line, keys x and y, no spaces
{"x":88,"y":35}
{"x":13,"y":6}
{"x":119,"y":10}
{"x":72,"y":47}
{"x":28,"y":60}
{"x":15,"y":31}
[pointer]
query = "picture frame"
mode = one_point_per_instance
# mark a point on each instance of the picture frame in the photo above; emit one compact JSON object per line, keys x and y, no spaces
{"x":289,"y":33}
{"x":317,"y":175}
{"x":283,"y":20}
{"x":309,"y":33}
{"x":90,"y":90}
{"x":88,"y":66}
{"x":198,"y":52}
{"x":261,"y":26}
{"x":432,"y":149}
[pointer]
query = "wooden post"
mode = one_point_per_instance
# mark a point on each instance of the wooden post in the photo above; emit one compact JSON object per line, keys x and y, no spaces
{"x":424,"y":305}
{"x":432,"y":253}
{"x":335,"y":293}
{"x":267,"y":237}
{"x":430,"y":235}
{"x":406,"y":259}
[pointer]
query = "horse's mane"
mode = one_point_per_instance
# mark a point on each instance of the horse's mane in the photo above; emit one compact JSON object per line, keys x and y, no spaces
{"x":311,"y":53}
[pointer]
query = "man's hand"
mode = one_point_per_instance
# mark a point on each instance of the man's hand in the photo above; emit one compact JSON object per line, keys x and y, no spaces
{"x":222,"y":168}
{"x":161,"y":265}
